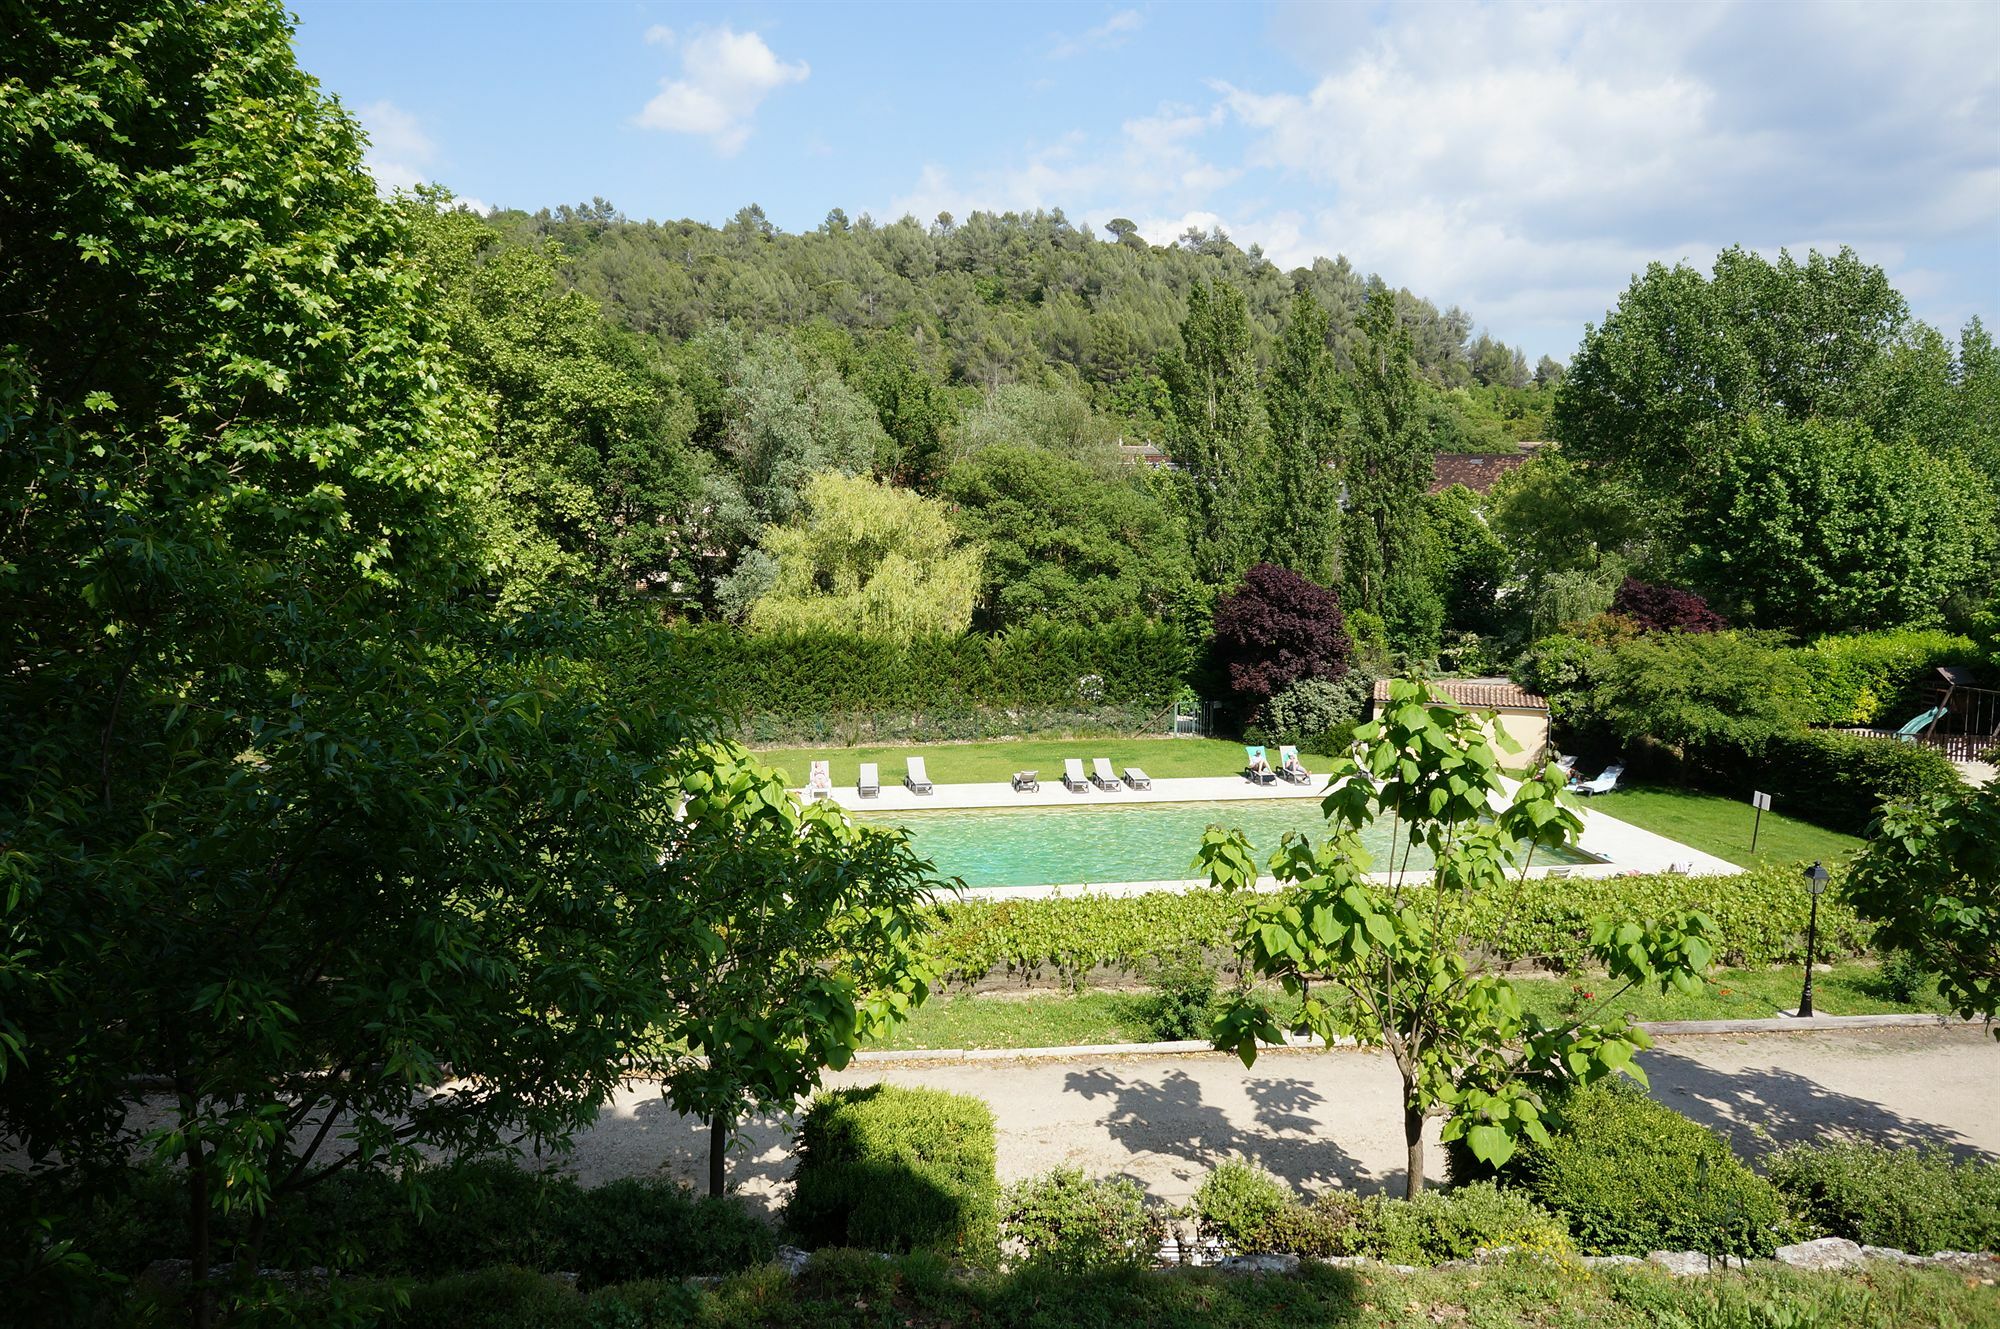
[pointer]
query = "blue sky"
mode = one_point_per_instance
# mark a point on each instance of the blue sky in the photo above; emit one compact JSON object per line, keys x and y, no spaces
{"x":1519,"y":160}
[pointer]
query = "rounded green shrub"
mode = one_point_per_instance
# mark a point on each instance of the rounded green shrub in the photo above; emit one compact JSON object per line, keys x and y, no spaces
{"x":885,"y":1168}
{"x":1915,"y":1199}
{"x":1454,"y":1224}
{"x":1072,"y":1223}
{"x":1236,"y":1203}
{"x":1631,"y":1176}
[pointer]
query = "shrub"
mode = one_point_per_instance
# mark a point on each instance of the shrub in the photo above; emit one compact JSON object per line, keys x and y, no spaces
{"x":1453,"y":1224}
{"x":1318,"y":714}
{"x":1914,"y":1199}
{"x":1665,"y":608}
{"x":1275,"y":629}
{"x":1839,"y":781}
{"x":1633,"y":1176}
{"x":1183,"y":995}
{"x":1236,"y":1203}
{"x":1326,"y":1225}
{"x":1071,"y":1223}
{"x":894,"y":1169}
{"x":1863,"y":678}
{"x":646,"y":1228}
{"x":498,"y":1298}
{"x":1904,"y":978}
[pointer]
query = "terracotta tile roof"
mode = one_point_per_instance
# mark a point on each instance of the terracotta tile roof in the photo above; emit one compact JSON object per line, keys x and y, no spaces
{"x":1479,"y":694}
{"x":1475,"y":470}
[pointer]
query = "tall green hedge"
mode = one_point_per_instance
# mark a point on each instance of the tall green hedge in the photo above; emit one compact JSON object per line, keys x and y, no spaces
{"x":1838,"y":781}
{"x":1760,"y":919}
{"x":1870,"y":678}
{"x":886,"y":1168}
{"x":820,"y":686}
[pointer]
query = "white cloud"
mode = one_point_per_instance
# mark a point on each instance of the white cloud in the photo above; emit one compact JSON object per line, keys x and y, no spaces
{"x":1113,"y":32}
{"x":659,"y":35}
{"x":399,"y":152}
{"x":725,"y":76}
{"x":1524,"y":160}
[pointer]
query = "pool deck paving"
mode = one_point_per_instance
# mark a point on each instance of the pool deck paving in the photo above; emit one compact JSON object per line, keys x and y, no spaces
{"x":1332,"y":1118}
{"x":1623,"y":847}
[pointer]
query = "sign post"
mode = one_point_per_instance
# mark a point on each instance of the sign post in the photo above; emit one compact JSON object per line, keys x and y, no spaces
{"x":1762,"y":802}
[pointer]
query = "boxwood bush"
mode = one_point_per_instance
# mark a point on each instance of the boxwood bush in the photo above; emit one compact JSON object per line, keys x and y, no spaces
{"x":1914,"y":1199}
{"x":1072,"y":1223}
{"x":1631,"y":1176}
{"x":893,"y":1169}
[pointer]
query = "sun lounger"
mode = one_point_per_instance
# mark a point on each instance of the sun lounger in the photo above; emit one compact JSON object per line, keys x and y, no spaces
{"x":1073,"y":776}
{"x":1101,"y":776}
{"x":870,"y":783}
{"x":1255,"y":768}
{"x":1027,"y":782}
{"x":1288,"y":766}
{"x":1137,"y":778}
{"x":821,"y":784}
{"x":917,"y":781}
{"x":1606,"y":781}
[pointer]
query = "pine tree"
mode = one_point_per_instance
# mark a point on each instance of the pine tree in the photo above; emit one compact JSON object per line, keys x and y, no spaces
{"x":1304,"y":403}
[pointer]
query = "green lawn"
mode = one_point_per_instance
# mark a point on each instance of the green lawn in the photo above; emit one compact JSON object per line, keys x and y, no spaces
{"x":1721,"y":826}
{"x":971,"y":763}
{"x":1059,"y":1020}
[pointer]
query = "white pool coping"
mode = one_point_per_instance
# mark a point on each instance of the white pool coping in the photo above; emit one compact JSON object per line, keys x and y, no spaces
{"x":1622,"y":847}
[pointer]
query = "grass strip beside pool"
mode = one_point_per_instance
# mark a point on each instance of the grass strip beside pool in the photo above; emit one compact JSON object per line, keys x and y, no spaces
{"x":1721,"y":826}
{"x":996,"y":762}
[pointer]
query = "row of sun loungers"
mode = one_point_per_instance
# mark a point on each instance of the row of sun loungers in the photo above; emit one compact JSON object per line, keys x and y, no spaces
{"x":1257,"y":769}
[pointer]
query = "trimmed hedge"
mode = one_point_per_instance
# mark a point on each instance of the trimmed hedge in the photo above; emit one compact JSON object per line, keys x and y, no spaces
{"x":824,"y":687}
{"x":892,"y":1169}
{"x":1838,"y":781}
{"x":1870,"y":677}
{"x":1760,"y":919}
{"x":1915,"y":1199}
{"x":1632,"y":1176}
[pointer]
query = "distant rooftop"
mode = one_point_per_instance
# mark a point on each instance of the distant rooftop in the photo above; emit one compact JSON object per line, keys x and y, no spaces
{"x":1479,"y":694}
{"x":1476,"y":470}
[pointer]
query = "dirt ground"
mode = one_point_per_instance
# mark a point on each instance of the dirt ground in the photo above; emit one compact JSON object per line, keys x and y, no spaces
{"x":1332,"y":1119}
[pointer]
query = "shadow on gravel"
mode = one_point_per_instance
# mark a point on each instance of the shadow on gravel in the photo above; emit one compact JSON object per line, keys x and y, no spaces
{"x":1757,"y":1110}
{"x":1168,"y":1116}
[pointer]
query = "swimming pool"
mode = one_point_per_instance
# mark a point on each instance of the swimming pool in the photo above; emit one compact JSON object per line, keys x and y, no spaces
{"x":1062,"y":846}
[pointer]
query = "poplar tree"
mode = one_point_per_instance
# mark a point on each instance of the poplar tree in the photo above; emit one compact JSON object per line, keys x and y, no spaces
{"x":1388,"y":462}
{"x":1218,"y":434}
{"x":1306,"y":413}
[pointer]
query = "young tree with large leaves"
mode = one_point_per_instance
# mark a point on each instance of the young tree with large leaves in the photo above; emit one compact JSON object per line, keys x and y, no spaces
{"x":765,"y":893}
{"x":1374,"y":952}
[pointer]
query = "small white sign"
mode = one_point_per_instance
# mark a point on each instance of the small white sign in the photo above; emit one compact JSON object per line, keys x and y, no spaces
{"x":1761,"y":801}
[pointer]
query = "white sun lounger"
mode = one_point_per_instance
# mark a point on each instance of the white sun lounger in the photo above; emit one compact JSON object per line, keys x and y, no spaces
{"x":821,"y":784}
{"x":1137,"y":778}
{"x":870,"y":783}
{"x":1073,"y":775}
{"x":1027,"y":782}
{"x":917,"y":781}
{"x":1606,"y":781}
{"x":1101,"y":776}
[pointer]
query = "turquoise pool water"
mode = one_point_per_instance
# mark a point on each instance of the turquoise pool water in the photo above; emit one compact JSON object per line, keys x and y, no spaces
{"x":1062,"y":846}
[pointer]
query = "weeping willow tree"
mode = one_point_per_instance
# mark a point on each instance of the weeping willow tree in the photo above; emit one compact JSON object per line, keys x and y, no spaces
{"x":863,"y":556}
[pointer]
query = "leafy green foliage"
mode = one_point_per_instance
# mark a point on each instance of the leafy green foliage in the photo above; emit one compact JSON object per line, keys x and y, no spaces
{"x":893,"y":1169}
{"x":1915,"y":1199}
{"x":1219,"y":435}
{"x":1465,"y":1047}
{"x":1068,"y":1222}
{"x":1303,"y":400}
{"x":1930,"y":881}
{"x":1455,"y":1224}
{"x":846,"y":686}
{"x":767,"y":892}
{"x":1316,"y":713}
{"x":1236,"y":1203}
{"x":1633,"y":1176}
{"x":1688,"y":691}
{"x":1388,"y":464}
{"x":1874,"y":677}
{"x":1066,"y":541}
{"x":1839,"y":781}
{"x":1470,"y":564}
{"x":864,"y":557}
{"x":1183,"y":998}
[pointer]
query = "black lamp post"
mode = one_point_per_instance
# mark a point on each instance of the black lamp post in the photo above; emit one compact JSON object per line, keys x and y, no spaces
{"x":1815,"y":883}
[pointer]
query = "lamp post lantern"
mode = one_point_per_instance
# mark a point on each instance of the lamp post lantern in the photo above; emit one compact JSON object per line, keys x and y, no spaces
{"x":1815,"y":883}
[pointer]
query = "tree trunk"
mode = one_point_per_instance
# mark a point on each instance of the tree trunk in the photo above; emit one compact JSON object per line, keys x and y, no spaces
{"x":1413,"y":1136}
{"x":718,"y":1149}
{"x":200,"y":1254}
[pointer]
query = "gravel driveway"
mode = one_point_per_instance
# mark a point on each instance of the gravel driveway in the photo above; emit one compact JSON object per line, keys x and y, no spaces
{"x":1331,"y":1118}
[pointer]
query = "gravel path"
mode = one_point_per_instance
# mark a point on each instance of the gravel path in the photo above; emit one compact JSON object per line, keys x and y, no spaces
{"x":1331,"y":1118}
